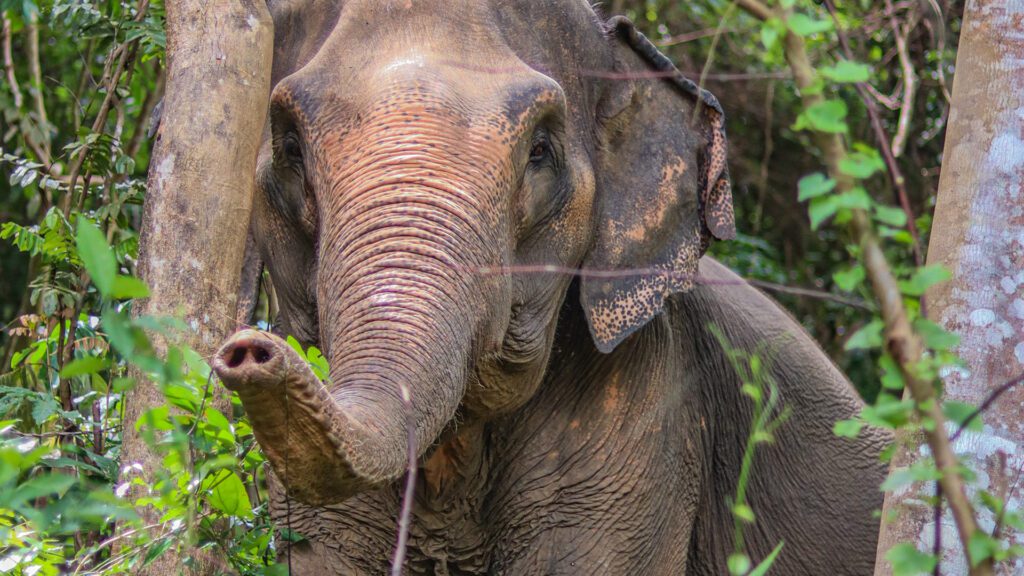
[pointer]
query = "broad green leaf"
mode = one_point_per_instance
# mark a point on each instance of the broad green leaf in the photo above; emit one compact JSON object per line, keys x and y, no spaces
{"x":847,"y":428}
{"x":920,"y":471}
{"x":981,"y":547}
{"x":762,"y":568}
{"x":892,"y":378}
{"x":907,"y":560}
{"x":857,"y":198}
{"x":846,"y":71}
{"x":218,"y":423}
{"x":295,"y":345}
{"x":934,"y":336}
{"x":43,"y":485}
{"x":861,"y":164}
{"x":743,"y":512}
{"x":822,"y":208}
{"x":959,"y":412}
{"x":128,"y":287}
{"x":228,"y":493}
{"x":924,"y":278}
{"x":97,"y":256}
{"x":81,"y":366}
{"x":869,"y":336}
{"x":890,"y":215}
{"x":803,"y":25}
{"x":317,"y":362}
{"x":848,"y":280}
{"x":769,"y":36}
{"x":814,"y":185}
{"x":738,"y":564}
{"x":827,"y":116}
{"x":888,"y":412}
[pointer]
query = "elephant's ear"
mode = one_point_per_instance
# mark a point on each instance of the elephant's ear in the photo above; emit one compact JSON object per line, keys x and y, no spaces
{"x":662,"y":188}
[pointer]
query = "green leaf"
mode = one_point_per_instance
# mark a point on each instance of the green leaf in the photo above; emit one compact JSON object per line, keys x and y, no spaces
{"x":127,"y":287}
{"x":959,"y":412}
{"x":228,"y":493}
{"x":317,"y":362}
{"x":96,"y":255}
{"x":157,"y":549}
{"x":82,"y":366}
{"x":814,"y":185}
{"x":803,"y":25}
{"x":860,"y":165}
{"x":890,"y":215}
{"x":848,"y":428}
{"x":920,"y":471}
{"x":888,"y":412}
{"x":822,"y":208}
{"x":846,"y":71}
{"x":769,"y":35}
{"x":765,"y":564}
{"x":892,"y":377}
{"x":907,"y":560}
{"x":848,"y":280}
{"x":44,"y":485}
{"x":827,"y":116}
{"x":738,"y":564}
{"x":924,"y":278}
{"x":869,"y":336}
{"x":934,"y":336}
{"x":981,"y":547}
{"x":857,"y":198}
{"x":743,"y":512}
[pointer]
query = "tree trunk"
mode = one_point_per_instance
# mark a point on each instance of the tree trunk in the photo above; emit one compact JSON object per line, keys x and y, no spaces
{"x":200,"y":192}
{"x":977,"y":234}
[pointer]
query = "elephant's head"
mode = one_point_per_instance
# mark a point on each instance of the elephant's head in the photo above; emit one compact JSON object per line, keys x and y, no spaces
{"x":419,"y":153}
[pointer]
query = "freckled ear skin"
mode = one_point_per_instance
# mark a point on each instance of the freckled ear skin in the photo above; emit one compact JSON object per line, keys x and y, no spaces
{"x":663,"y":188}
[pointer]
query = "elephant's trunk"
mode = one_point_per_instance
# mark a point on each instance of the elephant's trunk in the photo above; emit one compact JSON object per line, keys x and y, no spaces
{"x":399,"y":311}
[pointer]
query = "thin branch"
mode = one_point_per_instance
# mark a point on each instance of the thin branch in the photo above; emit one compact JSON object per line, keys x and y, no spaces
{"x":12,"y":79}
{"x":899,"y":140}
{"x":632,"y":272}
{"x":36,"y":84}
{"x":410,"y":483}
{"x":691,"y":36}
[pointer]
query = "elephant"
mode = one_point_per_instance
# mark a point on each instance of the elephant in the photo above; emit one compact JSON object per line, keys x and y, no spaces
{"x":491,"y":216}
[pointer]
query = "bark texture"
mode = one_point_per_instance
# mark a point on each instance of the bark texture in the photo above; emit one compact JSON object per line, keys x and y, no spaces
{"x":978,"y":234}
{"x":200,"y":191}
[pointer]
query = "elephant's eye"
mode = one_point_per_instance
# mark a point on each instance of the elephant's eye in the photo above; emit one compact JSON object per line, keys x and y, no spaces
{"x":292,"y":148}
{"x":541,"y":148}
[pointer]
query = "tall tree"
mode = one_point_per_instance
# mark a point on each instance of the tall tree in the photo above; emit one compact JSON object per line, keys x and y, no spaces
{"x":200,"y":189}
{"x":978,"y":234}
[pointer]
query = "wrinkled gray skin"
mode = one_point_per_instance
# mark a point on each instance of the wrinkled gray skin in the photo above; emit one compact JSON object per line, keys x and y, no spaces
{"x":564,"y":424}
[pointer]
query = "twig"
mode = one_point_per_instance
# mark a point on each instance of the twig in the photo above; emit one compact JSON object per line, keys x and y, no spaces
{"x":410,"y":483}
{"x":12,"y":79}
{"x":152,"y":97}
{"x":901,"y":341}
{"x":899,"y":140}
{"x":631,"y":272}
{"x":991,"y":399}
{"x":36,"y":83}
{"x":711,"y":57}
{"x":691,"y":36}
{"x":769,"y":147}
